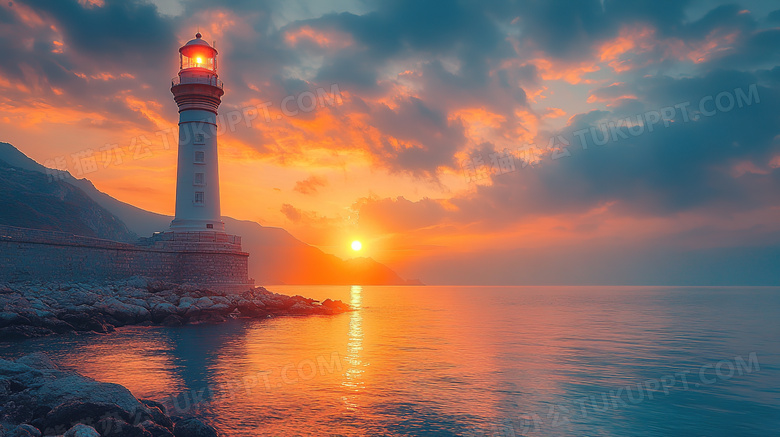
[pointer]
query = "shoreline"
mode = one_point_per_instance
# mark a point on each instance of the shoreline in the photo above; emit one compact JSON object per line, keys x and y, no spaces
{"x":40,"y":309}
{"x":37,"y":398}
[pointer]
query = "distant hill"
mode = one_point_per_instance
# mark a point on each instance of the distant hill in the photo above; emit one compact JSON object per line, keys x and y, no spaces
{"x":276,"y":257}
{"x":30,"y":200}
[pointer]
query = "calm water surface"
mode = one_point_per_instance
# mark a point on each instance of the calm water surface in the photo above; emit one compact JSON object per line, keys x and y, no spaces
{"x":443,"y":361}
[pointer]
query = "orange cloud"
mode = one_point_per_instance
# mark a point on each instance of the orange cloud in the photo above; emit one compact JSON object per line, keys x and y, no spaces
{"x":324,"y":39}
{"x":716,"y":43}
{"x":572,"y":73}
{"x":631,"y":40}
{"x":638,"y":46}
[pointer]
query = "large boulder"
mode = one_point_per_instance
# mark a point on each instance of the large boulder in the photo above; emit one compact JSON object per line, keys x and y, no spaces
{"x":158,"y":415}
{"x":204,"y":303}
{"x":25,"y":430}
{"x":156,"y":430}
{"x":335,"y":305}
{"x":162,"y":310}
{"x":150,"y":403}
{"x":34,"y":390}
{"x":112,"y":427}
{"x":185,"y":303}
{"x":71,"y":413}
{"x":192,"y":428}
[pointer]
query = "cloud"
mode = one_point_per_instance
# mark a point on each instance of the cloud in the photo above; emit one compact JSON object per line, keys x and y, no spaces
{"x":310,"y":185}
{"x":292,"y":213}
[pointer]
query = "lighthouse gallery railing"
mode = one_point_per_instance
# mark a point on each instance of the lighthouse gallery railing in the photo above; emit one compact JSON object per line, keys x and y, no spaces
{"x":213,"y":81}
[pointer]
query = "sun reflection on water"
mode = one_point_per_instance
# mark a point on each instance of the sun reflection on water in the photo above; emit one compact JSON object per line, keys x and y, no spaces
{"x":353,"y":382}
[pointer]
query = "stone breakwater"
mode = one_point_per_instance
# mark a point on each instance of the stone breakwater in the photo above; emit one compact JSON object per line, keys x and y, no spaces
{"x":35,"y":310}
{"x":39,"y":399}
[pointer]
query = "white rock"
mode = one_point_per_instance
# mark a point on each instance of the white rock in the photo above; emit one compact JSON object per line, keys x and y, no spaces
{"x":82,"y":430}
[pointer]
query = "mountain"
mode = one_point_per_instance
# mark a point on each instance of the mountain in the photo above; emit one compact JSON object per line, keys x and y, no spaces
{"x":276,"y":257}
{"x":31,"y":200}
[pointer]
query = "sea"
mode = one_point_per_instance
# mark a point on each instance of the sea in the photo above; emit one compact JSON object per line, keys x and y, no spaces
{"x":463,"y":361}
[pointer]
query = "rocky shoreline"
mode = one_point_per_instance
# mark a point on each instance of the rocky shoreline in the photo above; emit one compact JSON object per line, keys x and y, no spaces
{"x":39,"y":399}
{"x":29,"y":310}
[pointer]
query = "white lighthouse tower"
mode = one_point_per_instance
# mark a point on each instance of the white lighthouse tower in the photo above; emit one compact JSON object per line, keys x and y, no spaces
{"x":197,"y":91}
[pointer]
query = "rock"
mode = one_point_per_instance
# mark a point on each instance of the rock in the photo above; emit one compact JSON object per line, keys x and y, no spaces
{"x":136,"y":301}
{"x":193,"y":428}
{"x":158,"y":286}
{"x":192,"y":312}
{"x":155,"y":404}
{"x":336,"y":305}
{"x":82,"y":430}
{"x":173,"y":321}
{"x":25,"y":431}
{"x":87,"y":320}
{"x":221,"y":300}
{"x":19,"y":332}
{"x":204,"y":303}
{"x":56,"y":325}
{"x":111,"y":427}
{"x":250,"y":309}
{"x":37,"y":360}
{"x":184,"y":305}
{"x":8,"y":318}
{"x":300,"y":308}
{"x":169,"y":296}
{"x":158,"y":416}
{"x":222,"y":308}
{"x":156,"y":430}
{"x":163,"y":310}
{"x":138,"y":282}
{"x":122,"y":312}
{"x":72,"y":413}
{"x":48,"y":397}
{"x":207,"y":317}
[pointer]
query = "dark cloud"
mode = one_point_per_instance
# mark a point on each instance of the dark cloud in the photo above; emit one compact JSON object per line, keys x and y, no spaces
{"x":426,"y":139}
{"x":563,"y":28}
{"x":123,"y":32}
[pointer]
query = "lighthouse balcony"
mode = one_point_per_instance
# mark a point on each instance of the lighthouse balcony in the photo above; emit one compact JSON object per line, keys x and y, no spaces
{"x":204,"y":79}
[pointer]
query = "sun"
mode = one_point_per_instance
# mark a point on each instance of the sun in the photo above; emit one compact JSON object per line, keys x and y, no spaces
{"x":356,"y":245}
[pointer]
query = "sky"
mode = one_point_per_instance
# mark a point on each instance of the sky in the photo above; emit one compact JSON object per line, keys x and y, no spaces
{"x":530,"y":142}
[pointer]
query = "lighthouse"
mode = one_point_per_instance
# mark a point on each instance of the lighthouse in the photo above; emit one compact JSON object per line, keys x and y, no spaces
{"x":197,"y":91}
{"x":196,"y":249}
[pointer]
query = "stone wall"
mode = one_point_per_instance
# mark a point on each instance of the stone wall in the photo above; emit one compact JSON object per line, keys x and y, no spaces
{"x":30,"y":254}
